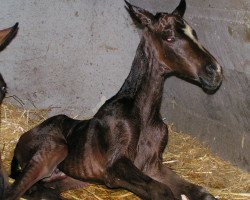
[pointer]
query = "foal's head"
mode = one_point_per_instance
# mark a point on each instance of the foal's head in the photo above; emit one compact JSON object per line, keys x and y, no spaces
{"x":176,"y":46}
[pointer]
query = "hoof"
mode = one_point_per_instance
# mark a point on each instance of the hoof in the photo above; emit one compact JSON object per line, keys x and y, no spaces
{"x":196,"y":193}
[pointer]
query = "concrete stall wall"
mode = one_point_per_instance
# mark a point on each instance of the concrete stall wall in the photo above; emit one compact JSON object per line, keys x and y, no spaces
{"x":72,"y":55}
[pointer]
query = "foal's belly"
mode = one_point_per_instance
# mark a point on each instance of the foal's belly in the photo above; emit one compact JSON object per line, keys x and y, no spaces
{"x":83,"y":164}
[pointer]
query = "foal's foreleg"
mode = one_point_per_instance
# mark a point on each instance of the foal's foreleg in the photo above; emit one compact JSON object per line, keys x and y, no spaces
{"x":41,"y":165}
{"x":181,"y":188}
{"x":123,"y":173}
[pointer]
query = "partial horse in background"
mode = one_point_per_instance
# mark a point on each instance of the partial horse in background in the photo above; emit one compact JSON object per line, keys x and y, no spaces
{"x":6,"y":36}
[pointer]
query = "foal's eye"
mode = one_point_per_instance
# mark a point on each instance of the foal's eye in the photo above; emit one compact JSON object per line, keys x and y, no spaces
{"x":168,"y":36}
{"x":170,"y":39}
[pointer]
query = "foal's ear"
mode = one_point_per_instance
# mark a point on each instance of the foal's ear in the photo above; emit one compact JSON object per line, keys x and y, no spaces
{"x":181,"y":8}
{"x":143,"y":17}
{"x":7,"y":35}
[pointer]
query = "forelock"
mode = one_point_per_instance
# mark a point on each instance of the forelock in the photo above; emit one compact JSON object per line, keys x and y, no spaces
{"x":165,"y":20}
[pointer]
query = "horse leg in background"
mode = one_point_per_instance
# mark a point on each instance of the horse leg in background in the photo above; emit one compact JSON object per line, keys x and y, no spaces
{"x":3,"y":180}
{"x":3,"y":177}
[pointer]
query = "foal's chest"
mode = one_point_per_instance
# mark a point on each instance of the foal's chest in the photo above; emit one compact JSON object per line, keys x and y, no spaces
{"x":151,"y":144}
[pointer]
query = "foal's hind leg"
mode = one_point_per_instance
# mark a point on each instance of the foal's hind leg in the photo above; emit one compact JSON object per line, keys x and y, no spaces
{"x":60,"y":182}
{"x":181,"y":188}
{"x":123,"y":173}
{"x":50,"y":188}
{"x":41,"y":165}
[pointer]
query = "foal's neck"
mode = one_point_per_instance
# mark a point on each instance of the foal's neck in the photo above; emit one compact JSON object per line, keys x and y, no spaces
{"x":145,"y":81}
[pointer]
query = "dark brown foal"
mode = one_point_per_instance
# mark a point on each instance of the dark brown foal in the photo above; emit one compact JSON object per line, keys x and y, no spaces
{"x":122,"y":145}
{"x":6,"y":36}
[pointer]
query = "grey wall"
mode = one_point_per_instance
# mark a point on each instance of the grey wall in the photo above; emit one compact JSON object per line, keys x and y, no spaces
{"x":71,"y":55}
{"x":68,"y":54}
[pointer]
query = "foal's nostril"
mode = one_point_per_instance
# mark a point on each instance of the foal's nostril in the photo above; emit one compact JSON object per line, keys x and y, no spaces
{"x":211,"y":68}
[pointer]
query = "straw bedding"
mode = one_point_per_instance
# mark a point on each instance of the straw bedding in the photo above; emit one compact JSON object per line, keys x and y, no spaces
{"x":184,"y":154}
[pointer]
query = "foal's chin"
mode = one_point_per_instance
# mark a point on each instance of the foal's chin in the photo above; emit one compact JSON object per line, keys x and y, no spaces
{"x":210,"y":87}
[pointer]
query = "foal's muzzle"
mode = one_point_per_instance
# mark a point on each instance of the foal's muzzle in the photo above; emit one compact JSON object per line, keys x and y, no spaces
{"x":211,"y":79}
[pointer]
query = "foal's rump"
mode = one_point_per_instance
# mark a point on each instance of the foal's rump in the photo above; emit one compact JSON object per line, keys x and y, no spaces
{"x":41,"y":150}
{"x":45,"y":136}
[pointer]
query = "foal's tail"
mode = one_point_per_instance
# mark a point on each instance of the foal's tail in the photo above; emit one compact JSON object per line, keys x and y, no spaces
{"x":15,"y":171}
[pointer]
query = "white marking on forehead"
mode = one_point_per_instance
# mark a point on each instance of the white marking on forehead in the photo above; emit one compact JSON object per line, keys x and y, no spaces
{"x":189,"y":32}
{"x":184,"y":197}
